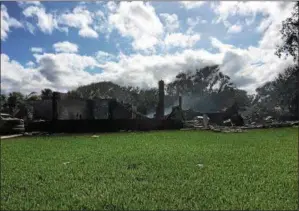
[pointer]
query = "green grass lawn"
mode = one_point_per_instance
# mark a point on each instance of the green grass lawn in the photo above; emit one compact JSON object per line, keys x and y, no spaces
{"x":155,"y":170}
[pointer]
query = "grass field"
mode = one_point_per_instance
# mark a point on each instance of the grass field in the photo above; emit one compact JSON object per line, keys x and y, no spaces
{"x":154,"y":170}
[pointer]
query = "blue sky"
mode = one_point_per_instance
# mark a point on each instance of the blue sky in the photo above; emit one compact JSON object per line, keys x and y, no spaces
{"x":136,"y":43}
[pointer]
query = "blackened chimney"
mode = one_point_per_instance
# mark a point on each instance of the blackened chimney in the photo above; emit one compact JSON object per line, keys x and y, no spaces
{"x":180,"y":102}
{"x":160,"y":108}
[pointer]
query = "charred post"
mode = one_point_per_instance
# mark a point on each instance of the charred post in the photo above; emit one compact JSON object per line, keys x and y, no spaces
{"x":90,"y":109}
{"x":55,"y":98}
{"x":160,"y":107}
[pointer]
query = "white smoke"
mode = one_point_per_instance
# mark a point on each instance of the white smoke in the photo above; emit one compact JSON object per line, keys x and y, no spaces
{"x":167,"y":111}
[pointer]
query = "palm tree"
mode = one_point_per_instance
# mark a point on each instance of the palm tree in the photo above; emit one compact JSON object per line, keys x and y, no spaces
{"x":32,"y":97}
{"x":46,"y":94}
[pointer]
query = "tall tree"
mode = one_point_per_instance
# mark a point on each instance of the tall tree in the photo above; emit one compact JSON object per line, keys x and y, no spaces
{"x":278,"y":97}
{"x":14,"y":100}
{"x":181,"y":85}
{"x":207,"y":89}
{"x":287,"y":89}
{"x":287,"y":82}
{"x":290,"y":36}
{"x":3,"y":102}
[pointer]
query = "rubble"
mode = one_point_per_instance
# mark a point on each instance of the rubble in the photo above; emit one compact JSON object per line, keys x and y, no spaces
{"x":193,"y":124}
{"x":226,"y":129}
{"x":197,"y":125}
{"x":187,"y":128}
{"x":41,"y":133}
{"x":36,"y":133}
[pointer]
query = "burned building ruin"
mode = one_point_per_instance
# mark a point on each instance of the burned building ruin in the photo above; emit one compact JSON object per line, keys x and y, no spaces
{"x":111,"y":115}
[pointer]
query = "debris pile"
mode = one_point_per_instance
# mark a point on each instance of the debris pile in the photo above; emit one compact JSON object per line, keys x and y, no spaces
{"x":226,"y":129}
{"x":197,"y":125}
{"x":193,"y":124}
{"x":41,"y":133}
{"x":35,"y":133}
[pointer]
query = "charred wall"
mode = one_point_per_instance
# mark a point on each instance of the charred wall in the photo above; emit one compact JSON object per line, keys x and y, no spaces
{"x":103,"y":125}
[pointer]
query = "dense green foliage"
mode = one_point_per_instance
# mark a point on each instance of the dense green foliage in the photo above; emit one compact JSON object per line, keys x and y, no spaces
{"x":257,"y":170}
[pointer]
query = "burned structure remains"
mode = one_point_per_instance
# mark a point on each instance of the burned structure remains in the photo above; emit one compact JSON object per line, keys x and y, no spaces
{"x":64,"y":113}
{"x":100,"y":115}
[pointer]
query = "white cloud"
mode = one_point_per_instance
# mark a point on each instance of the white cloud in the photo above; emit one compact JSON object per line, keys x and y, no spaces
{"x":240,"y":64}
{"x":193,"y":22}
{"x":88,"y":32}
{"x":250,"y":21}
{"x":65,"y":47}
{"x":145,"y":71}
{"x":30,"y":27}
{"x":111,"y":5}
{"x":181,"y":40}
{"x":192,"y":4}
{"x":60,"y":72}
{"x":101,"y":23}
{"x":232,"y":8}
{"x":271,"y":22}
{"x":45,"y":21}
{"x":30,"y":64}
{"x":14,"y":77}
{"x":219,"y":45}
{"x":272,"y":31}
{"x":64,"y":29}
{"x":65,"y":70}
{"x":78,"y":18}
{"x":139,"y":21}
{"x":264,"y":25}
{"x":269,"y":64}
{"x":103,"y":57}
{"x":81,"y":19}
{"x":7,"y":22}
{"x":36,"y":50}
{"x":24,"y":3}
{"x":236,"y":28}
{"x":171,"y":21}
